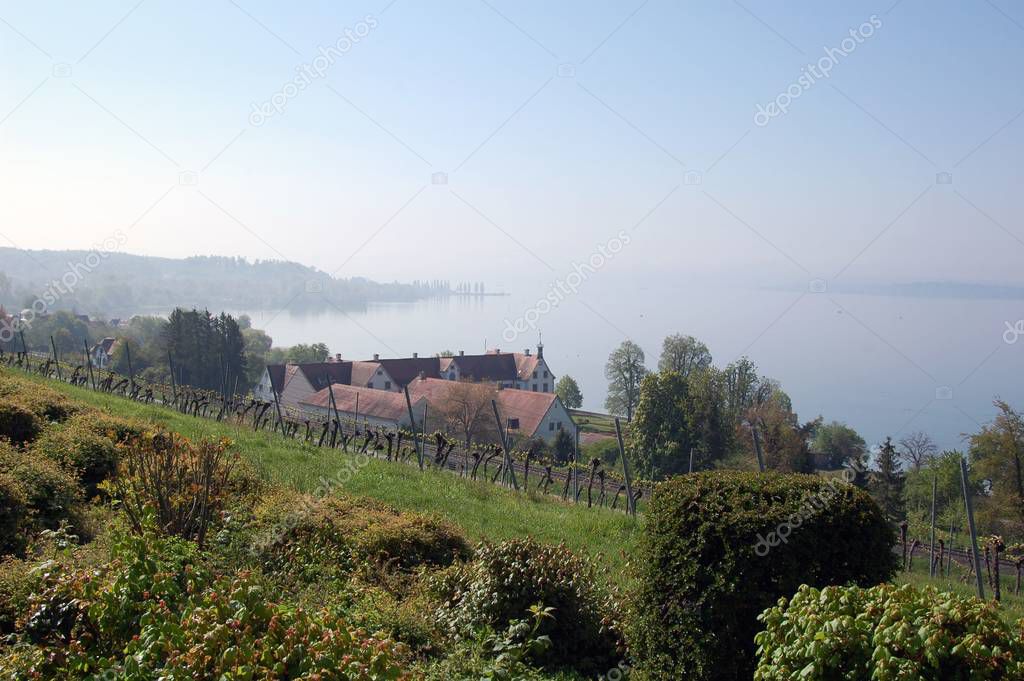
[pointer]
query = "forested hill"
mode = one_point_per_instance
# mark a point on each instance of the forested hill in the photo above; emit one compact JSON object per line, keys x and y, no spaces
{"x":120,"y":284}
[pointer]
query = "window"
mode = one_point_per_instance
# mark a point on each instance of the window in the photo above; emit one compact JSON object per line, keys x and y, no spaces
{"x":551,"y":425}
{"x":559,"y":425}
{"x":387,"y":385}
{"x":535,"y":374}
{"x":545,"y":386}
{"x":545,"y":374}
{"x":370,"y":384}
{"x":534,"y":387}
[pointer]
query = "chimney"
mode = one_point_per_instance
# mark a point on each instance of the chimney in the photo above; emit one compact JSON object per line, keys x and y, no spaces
{"x":337,"y":357}
{"x":423,"y":375}
{"x":527,"y":351}
{"x":376,"y":357}
{"x":497,"y":351}
{"x":415,"y":355}
{"x":462,"y":353}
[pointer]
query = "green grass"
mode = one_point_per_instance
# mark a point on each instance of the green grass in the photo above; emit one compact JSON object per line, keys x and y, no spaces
{"x":482,"y":510}
{"x":1011,"y":607}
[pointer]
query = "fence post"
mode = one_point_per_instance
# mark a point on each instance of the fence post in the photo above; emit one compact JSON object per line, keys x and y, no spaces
{"x":630,"y":501}
{"x":24,"y":347}
{"x":504,"y":445}
{"x":88,"y":361}
{"x":131,"y":372}
{"x":174,"y":383}
{"x":931,"y":561}
{"x":757,"y":447}
{"x":56,"y":360}
{"x":691,"y":460}
{"x":574,"y":471}
{"x":969,"y":506}
{"x":415,"y":431}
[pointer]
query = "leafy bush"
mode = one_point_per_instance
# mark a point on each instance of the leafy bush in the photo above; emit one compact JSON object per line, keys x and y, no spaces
{"x":18,"y":424}
{"x":51,"y":493}
{"x":13,"y":515}
{"x":886,"y":632}
{"x":92,"y":457}
{"x":114,"y":428}
{"x":46,"y":403}
{"x":314,"y":537}
{"x":16,"y":585}
{"x":506,"y":580}
{"x":718,"y":548}
{"x":185,"y":484}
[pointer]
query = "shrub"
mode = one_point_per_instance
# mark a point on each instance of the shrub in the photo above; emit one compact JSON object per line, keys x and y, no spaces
{"x":184,"y":483}
{"x":114,"y":428}
{"x":18,"y":424}
{"x":507,"y":579}
{"x":16,"y":585}
{"x":718,"y":548}
{"x":13,"y":515}
{"x":886,"y":632}
{"x":51,"y":493}
{"x":92,"y":457}
{"x":46,"y":403}
{"x":312,"y":537}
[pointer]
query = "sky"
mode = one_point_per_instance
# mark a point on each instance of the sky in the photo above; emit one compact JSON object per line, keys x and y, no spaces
{"x":511,"y":141}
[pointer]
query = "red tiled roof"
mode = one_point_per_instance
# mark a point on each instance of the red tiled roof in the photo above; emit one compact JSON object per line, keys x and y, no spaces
{"x":379,"y":404}
{"x":528,"y":406}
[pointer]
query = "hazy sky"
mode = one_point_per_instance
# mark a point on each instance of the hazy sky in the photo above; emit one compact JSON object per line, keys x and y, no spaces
{"x":558,"y":124}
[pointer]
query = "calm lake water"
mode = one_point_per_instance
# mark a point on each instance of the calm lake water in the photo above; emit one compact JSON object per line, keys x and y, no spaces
{"x":884,"y":364}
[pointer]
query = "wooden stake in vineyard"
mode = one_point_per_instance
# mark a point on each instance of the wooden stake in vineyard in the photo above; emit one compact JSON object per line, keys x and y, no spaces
{"x":757,"y":447}
{"x":504,"y":445}
{"x":931,"y":554}
{"x":56,"y":361}
{"x":969,"y":506}
{"x":630,"y":499}
{"x":415,"y":431}
{"x":88,"y":361}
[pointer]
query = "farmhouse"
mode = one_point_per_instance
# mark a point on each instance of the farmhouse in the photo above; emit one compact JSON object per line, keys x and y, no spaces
{"x":293,"y":383}
{"x":102,"y":353}
{"x":365,"y":406}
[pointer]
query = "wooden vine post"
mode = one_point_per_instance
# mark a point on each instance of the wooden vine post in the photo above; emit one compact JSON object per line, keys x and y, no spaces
{"x":931,"y":554}
{"x":56,"y":361}
{"x":691,"y":460}
{"x":88,"y":361}
{"x":757,"y":447}
{"x":507,"y":465}
{"x":415,"y":431}
{"x":174,"y":384}
{"x":969,"y":506}
{"x":630,"y":499}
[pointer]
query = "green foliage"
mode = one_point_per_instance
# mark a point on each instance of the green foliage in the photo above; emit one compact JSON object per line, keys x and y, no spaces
{"x":47,"y":404}
{"x":624,"y":370}
{"x":997,"y":456}
{"x":13,"y":515}
{"x":208,"y":351}
{"x":840,"y":443}
{"x":569,"y":391}
{"x":51,"y":493}
{"x":718,"y":548}
{"x":92,"y":457}
{"x":563,"y":447}
{"x":683,"y":355}
{"x":886,"y":633}
{"x":886,"y":483}
{"x":506,"y":579}
{"x":18,"y":424}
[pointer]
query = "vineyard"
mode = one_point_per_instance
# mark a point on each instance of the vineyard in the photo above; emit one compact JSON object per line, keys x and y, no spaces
{"x":163,"y":529}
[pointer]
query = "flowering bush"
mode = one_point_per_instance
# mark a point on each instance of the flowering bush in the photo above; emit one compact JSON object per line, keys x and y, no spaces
{"x":886,"y":633}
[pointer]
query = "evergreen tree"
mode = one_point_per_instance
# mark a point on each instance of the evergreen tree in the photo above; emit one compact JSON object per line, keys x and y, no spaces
{"x":887,"y":482}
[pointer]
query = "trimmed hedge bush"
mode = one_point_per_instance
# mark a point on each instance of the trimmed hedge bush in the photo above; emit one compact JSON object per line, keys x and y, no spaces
{"x":92,"y":457}
{"x":44,"y":402}
{"x":887,"y":632}
{"x":51,"y":494}
{"x":718,"y":548}
{"x":18,"y":424}
{"x":506,"y":579}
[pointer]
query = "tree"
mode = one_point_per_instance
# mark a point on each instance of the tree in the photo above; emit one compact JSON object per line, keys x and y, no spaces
{"x":997,"y":456}
{"x":916,"y":449}
{"x":684,"y":355}
{"x":784,"y":441}
{"x":840,"y":443}
{"x":569,"y":391}
{"x":660,"y":437}
{"x":624,"y":371}
{"x":466,"y":411}
{"x":949,"y":497}
{"x":307,"y":354}
{"x":563,"y":447}
{"x":741,"y":384}
{"x":886,"y":482}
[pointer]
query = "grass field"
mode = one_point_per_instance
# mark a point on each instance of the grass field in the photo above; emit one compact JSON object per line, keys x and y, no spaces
{"x":1011,"y":607}
{"x":482,"y":510}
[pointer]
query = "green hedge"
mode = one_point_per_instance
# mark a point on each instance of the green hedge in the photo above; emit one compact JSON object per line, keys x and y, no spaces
{"x":13,"y":515}
{"x":718,"y":548}
{"x":76,"y":448}
{"x":51,"y":493}
{"x":18,"y":424}
{"x":887,"y":632}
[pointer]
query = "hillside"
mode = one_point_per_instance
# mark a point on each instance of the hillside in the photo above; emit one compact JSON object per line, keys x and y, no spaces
{"x":118,"y":284}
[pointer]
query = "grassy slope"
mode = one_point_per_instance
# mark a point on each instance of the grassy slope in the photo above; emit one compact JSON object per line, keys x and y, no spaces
{"x":482,"y":510}
{"x":1011,"y":607}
